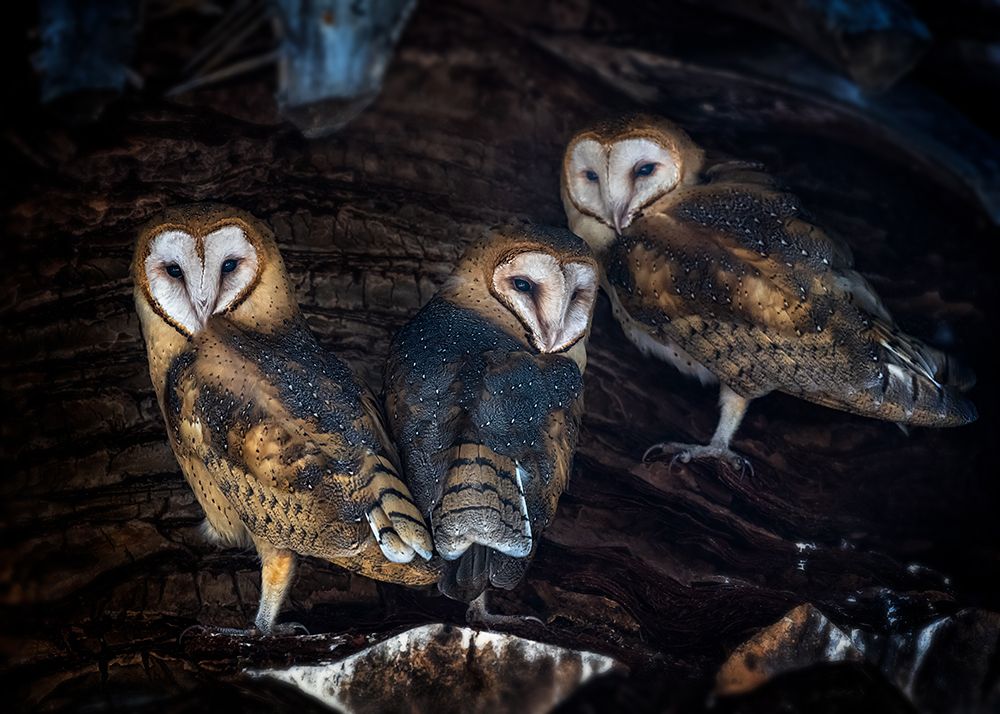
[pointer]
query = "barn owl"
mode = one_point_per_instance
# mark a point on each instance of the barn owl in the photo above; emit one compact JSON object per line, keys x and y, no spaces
{"x":284,"y":447}
{"x":713,"y":269}
{"x":484,"y":392}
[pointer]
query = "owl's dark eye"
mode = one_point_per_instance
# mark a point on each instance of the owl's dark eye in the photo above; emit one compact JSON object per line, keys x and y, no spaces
{"x":230,"y":265}
{"x":591,"y":175}
{"x":174,"y":270}
{"x":522,"y":285}
{"x":645,"y":170}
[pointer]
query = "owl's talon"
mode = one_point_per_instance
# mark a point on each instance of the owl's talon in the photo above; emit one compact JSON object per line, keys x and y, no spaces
{"x":742,"y":465}
{"x":686,"y":453}
{"x":478,"y":614}
{"x":187,"y":632}
{"x":288,"y":629}
{"x":282,"y":629}
{"x":210,"y":631}
{"x":655,"y":451}
{"x":681,"y":452}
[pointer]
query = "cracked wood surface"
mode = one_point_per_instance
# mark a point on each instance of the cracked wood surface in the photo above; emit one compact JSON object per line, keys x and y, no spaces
{"x":667,"y":570}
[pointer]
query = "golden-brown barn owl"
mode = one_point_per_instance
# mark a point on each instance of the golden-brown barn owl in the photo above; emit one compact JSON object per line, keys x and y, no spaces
{"x":484,"y":391}
{"x":283,"y":446}
{"x":718,"y":272}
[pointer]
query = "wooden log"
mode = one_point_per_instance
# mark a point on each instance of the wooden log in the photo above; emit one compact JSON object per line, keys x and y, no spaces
{"x":668,"y":570}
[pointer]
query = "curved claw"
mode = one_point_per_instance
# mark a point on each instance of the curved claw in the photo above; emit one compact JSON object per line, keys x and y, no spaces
{"x":682,"y":452}
{"x":478,"y":614}
{"x":288,"y":629}
{"x":226,"y":631}
{"x":647,"y":455}
{"x":686,"y":453}
{"x":662,"y":449}
{"x":683,"y":457}
{"x":187,"y":631}
{"x":737,"y":462}
{"x":491,"y":621}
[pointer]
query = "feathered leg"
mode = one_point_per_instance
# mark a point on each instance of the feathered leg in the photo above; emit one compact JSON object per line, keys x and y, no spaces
{"x":276,"y":573}
{"x":732,"y":407}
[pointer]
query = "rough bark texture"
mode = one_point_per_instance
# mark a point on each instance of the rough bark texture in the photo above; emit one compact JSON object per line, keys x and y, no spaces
{"x":102,"y":566}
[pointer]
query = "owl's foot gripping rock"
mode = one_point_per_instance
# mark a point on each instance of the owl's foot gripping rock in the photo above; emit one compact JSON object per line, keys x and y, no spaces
{"x":479,"y":616}
{"x":281,"y":629}
{"x":732,"y":408}
{"x":288,"y":629}
{"x":685,"y":453}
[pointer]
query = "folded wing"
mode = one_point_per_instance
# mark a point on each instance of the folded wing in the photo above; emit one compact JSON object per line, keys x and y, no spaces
{"x":733,"y":274}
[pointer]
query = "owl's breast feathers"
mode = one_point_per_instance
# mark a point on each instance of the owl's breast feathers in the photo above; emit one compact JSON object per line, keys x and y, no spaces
{"x":295,"y":444}
{"x":731,"y":272}
{"x":490,"y":428}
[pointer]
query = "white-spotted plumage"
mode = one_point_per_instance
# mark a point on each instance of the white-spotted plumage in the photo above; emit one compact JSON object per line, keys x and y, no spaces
{"x":282,"y":445}
{"x":712,"y":268}
{"x":484,"y":396}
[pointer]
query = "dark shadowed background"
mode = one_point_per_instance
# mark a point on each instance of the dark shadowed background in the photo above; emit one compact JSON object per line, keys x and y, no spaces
{"x":891,"y":538}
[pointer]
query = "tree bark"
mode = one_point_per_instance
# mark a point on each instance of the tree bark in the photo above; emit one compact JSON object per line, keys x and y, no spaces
{"x":666,"y":569}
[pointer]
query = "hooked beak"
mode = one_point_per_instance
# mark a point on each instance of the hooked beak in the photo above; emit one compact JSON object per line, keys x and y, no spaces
{"x":548,"y":338}
{"x":621,"y":218}
{"x":555,"y":341}
{"x":553,"y":337}
{"x":549,"y":343}
{"x":203,"y":307}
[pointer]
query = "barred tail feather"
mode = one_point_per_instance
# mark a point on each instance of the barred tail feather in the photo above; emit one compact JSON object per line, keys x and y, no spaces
{"x":921,"y":385}
{"x":936,"y":365}
{"x":483,"y":503}
{"x":394,"y":518}
{"x":910,"y":397}
{"x":942,"y":367}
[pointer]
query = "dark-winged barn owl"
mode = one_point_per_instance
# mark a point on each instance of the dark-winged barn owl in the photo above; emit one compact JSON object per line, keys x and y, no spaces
{"x":484,"y":392}
{"x":283,"y":446}
{"x":713,"y":269}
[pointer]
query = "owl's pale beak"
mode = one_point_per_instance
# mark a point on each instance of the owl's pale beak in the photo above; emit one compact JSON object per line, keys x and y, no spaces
{"x":553,"y":339}
{"x":548,"y":339}
{"x":203,"y":306}
{"x":558,"y":341}
{"x":621,"y":219}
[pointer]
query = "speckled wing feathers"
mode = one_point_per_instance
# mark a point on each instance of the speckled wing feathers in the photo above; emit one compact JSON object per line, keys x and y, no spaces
{"x":765,"y":300}
{"x":489,"y":429}
{"x":295,"y":446}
